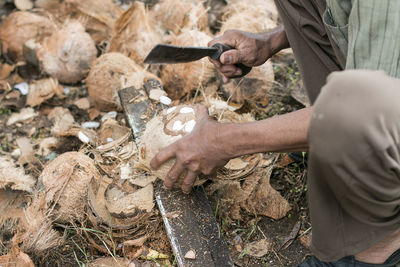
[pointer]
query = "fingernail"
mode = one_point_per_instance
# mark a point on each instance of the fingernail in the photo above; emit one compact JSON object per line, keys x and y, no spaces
{"x":227,"y":59}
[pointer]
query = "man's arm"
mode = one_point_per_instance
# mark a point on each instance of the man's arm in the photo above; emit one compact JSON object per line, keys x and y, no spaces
{"x":211,"y":144}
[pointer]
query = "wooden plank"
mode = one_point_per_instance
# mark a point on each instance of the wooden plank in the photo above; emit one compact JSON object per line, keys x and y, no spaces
{"x":188,"y":219}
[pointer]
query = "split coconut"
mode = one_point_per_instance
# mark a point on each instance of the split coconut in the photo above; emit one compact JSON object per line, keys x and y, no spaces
{"x":110,"y":73}
{"x":163,"y":130}
{"x":66,"y":179}
{"x":180,"y":79}
{"x":134,"y":34}
{"x":175,"y":15}
{"x":68,"y":53}
{"x":20,"y":27}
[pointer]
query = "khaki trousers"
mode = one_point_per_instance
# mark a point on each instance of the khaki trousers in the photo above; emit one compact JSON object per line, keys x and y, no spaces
{"x":354,"y":137}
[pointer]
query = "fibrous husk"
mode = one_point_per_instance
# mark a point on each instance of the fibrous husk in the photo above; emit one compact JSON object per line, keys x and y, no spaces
{"x":66,"y":179}
{"x":62,"y":121}
{"x":180,"y":79}
{"x":258,"y":248}
{"x":47,"y":145}
{"x":111,"y":129}
{"x":68,"y":53}
{"x":162,"y":131}
{"x":215,"y":12}
{"x":257,"y":17}
{"x":254,"y":87}
{"x":23,"y":115}
{"x":121,"y":203}
{"x":41,"y":90}
{"x":20,"y":27}
{"x":110,"y":262}
{"x":14,"y":177}
{"x":98,"y":16}
{"x":134,"y":35}
{"x":110,"y":73}
{"x":175,"y":15}
{"x":16,"y":258}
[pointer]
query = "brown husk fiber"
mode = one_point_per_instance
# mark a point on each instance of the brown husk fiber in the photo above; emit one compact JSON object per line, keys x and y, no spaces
{"x":254,"y":87}
{"x":16,"y":258}
{"x":41,"y":90}
{"x":175,"y":15}
{"x":159,"y":134}
{"x":110,"y":73}
{"x":257,"y":17}
{"x":180,"y":79}
{"x":68,"y":53}
{"x":14,"y":177}
{"x":98,"y":16}
{"x":134,"y":35}
{"x":66,"y":179}
{"x":20,"y":27}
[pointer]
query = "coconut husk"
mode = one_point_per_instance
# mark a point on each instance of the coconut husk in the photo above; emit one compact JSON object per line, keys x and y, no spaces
{"x":41,"y":90}
{"x":180,"y":79}
{"x":111,"y":262}
{"x":98,"y":16}
{"x":254,"y":87}
{"x":111,"y":129}
{"x":14,"y":177}
{"x":215,"y":12}
{"x":16,"y":258}
{"x":258,"y":17}
{"x":62,"y":121}
{"x":175,"y":15}
{"x":68,"y":53}
{"x":162,"y":131}
{"x":20,"y":27}
{"x":66,"y":180}
{"x":123,"y":204}
{"x":47,"y":145}
{"x":110,"y":73}
{"x":134,"y":34}
{"x":23,"y":115}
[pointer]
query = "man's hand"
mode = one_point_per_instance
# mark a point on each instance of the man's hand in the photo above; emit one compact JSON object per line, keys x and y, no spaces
{"x":198,"y":152}
{"x":250,"y":49}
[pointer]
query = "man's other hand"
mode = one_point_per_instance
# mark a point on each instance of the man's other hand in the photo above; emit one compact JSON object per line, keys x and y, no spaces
{"x":198,"y":152}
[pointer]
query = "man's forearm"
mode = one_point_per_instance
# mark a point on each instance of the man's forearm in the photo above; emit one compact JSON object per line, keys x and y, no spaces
{"x":276,"y":40}
{"x":282,"y":133}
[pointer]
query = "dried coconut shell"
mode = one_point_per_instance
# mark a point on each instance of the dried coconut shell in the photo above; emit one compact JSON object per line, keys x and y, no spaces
{"x":20,"y":27}
{"x":68,"y":53}
{"x":254,"y":87}
{"x":41,"y":90}
{"x":162,"y":131}
{"x":175,"y":15}
{"x":134,"y":34}
{"x":16,"y":258}
{"x":110,"y":73}
{"x":180,"y":79}
{"x":98,"y":16}
{"x":66,"y":179}
{"x":257,"y":17}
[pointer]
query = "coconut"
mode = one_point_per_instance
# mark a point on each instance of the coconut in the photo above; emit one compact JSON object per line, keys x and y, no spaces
{"x":110,"y":73}
{"x":254,"y":87}
{"x":174,"y":15}
{"x":180,"y":79}
{"x":162,"y":131}
{"x":134,"y":34}
{"x":258,"y":17}
{"x":68,"y":53}
{"x":66,"y":179}
{"x":20,"y":27}
{"x":98,"y":16}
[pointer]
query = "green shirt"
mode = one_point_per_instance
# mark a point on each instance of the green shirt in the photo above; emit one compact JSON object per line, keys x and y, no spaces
{"x":367,"y":33}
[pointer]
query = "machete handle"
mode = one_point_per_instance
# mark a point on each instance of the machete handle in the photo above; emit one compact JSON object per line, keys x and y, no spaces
{"x":223,"y":48}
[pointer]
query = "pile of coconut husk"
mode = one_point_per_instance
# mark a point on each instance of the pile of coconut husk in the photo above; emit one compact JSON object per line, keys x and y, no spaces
{"x":75,"y":164}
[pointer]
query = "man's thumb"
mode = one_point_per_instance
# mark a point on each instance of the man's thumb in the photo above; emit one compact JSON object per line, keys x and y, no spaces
{"x":230,"y":57}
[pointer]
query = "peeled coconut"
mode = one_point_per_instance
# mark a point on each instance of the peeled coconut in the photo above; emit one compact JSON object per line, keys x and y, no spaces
{"x":254,"y":87}
{"x":20,"y":27}
{"x":134,"y":34}
{"x":98,"y":16}
{"x":163,"y":130}
{"x":257,"y":17}
{"x":180,"y":79}
{"x":68,"y":53}
{"x":66,"y":179}
{"x":110,"y":73}
{"x":175,"y":15}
